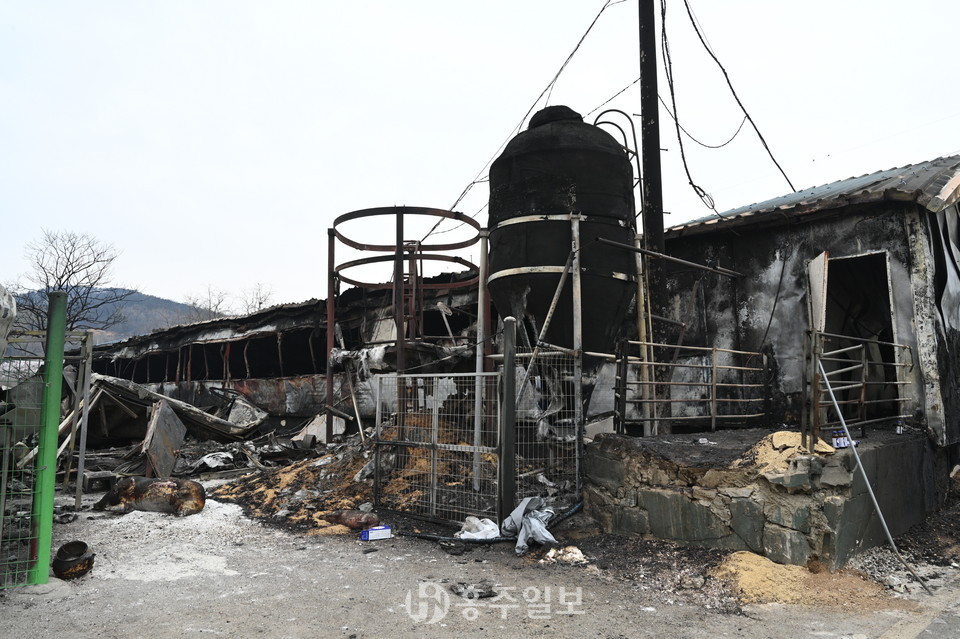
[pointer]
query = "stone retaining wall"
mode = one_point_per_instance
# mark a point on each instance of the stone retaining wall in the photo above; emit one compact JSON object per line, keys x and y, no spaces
{"x":812,"y":507}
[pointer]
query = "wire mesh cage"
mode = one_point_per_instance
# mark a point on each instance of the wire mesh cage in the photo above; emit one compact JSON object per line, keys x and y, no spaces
{"x":21,"y":403}
{"x":549,"y":427}
{"x":436,"y":445}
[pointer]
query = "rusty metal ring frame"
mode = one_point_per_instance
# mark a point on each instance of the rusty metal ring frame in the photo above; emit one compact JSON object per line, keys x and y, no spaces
{"x":414,"y":250}
{"x":420,"y":256}
{"x":407,"y":210}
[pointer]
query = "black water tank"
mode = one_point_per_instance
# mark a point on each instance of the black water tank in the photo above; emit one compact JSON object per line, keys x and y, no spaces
{"x":561,"y":166}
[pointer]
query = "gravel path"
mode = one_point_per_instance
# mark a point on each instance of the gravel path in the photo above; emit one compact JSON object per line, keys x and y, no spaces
{"x":220,"y":573}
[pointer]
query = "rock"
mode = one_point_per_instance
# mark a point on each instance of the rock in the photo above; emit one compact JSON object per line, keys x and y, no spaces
{"x":365,"y":507}
{"x":735,"y":492}
{"x":481,"y":590}
{"x":353,"y":519}
{"x":836,"y":476}
{"x":631,"y":521}
{"x":568,"y":555}
{"x":746,"y":519}
{"x":785,"y":546}
{"x":692,"y":582}
{"x":452,"y":547}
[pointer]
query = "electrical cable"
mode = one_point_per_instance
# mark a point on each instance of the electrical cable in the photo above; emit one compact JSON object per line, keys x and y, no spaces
{"x":611,"y":99}
{"x":689,"y":135}
{"x":668,"y":70}
{"x":548,"y":89}
{"x":776,"y":300}
{"x":706,"y":47}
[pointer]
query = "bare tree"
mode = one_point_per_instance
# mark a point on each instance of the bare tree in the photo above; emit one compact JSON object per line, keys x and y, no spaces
{"x":256,"y":298}
{"x":207,"y":305}
{"x":78,"y":264}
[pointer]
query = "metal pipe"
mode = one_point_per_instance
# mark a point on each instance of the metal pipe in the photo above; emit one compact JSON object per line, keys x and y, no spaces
{"x":47,"y":457}
{"x":331,"y":321}
{"x":85,"y":416}
{"x":866,"y":480}
{"x":546,"y":325}
{"x":676,"y":260}
{"x":480,"y":343}
{"x":399,"y":291}
{"x":507,"y":470}
{"x":577,"y":344}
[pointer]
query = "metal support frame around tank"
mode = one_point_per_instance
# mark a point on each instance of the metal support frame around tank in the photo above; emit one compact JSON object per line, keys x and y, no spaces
{"x":506,"y":472}
{"x":398,"y":253}
{"x":480,"y":347}
{"x":577,"y":341}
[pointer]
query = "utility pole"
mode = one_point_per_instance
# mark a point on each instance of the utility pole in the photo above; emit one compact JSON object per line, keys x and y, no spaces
{"x":650,"y":154}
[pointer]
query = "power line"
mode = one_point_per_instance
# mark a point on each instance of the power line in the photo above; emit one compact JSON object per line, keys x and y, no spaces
{"x":480,"y":177}
{"x":611,"y":99}
{"x":668,"y":70}
{"x":707,"y":48}
{"x":689,"y":135}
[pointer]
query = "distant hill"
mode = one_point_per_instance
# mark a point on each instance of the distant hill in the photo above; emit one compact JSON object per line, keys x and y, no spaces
{"x":143,"y":314}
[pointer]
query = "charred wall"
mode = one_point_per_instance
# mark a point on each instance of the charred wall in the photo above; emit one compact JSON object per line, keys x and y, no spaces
{"x":766,"y":309}
{"x":277,"y":358}
{"x":942,"y":239}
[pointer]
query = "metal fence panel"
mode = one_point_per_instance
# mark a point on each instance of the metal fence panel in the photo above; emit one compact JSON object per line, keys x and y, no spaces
{"x":436,"y":445}
{"x":549,"y":439}
{"x":21,"y":405}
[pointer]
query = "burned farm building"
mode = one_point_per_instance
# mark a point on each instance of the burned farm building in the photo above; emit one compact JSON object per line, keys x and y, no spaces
{"x":835,"y":304}
{"x":705,"y":412}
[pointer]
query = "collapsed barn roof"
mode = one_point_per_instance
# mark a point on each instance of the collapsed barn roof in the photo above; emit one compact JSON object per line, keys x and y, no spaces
{"x":934,"y":185}
{"x":273,"y":319}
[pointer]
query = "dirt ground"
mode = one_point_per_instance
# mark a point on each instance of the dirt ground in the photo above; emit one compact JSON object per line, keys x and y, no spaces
{"x":221,"y":573}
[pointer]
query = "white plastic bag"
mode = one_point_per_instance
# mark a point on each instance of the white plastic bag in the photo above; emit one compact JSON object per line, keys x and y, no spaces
{"x":474,"y":528}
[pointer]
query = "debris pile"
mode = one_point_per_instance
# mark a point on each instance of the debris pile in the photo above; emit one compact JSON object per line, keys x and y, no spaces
{"x":304,"y":494}
{"x":931,"y":547}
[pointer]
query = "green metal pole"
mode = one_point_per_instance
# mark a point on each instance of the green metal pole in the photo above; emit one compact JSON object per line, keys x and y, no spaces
{"x":49,"y":421}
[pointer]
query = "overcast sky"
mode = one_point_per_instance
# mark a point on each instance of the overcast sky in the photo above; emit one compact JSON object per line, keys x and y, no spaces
{"x":213,"y":142}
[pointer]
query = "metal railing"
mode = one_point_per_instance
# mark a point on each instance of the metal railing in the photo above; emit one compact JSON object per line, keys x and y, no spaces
{"x":866,"y":376}
{"x":671,"y":384}
{"x":448,"y":445}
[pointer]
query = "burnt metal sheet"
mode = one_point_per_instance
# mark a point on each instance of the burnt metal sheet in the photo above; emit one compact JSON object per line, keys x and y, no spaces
{"x":165,"y":435}
{"x":197,"y":421}
{"x":934,"y":185}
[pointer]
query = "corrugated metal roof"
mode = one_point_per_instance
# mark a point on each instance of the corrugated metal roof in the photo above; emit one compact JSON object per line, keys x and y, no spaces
{"x":934,"y":185}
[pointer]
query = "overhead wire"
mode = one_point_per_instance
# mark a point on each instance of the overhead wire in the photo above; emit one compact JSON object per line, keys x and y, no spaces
{"x":611,"y":98}
{"x":696,"y":28}
{"x":668,"y":71}
{"x":689,"y":135}
{"x":547,"y":90}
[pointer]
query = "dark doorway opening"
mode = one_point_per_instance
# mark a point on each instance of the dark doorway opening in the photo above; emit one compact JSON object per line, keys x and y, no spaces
{"x":858,"y":307}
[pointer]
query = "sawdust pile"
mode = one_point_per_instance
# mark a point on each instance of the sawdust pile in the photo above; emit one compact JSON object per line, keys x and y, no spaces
{"x":774,"y":451}
{"x":756,"y":579}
